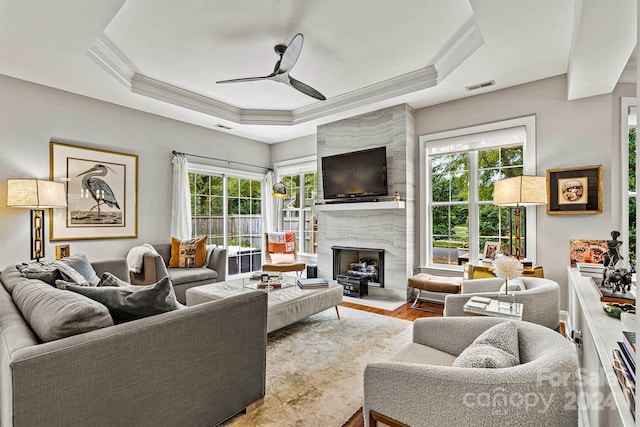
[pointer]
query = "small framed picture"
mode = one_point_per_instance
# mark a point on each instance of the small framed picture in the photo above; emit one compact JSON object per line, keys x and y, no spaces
{"x":63,"y":251}
{"x":574,"y":190}
{"x":490,"y":251}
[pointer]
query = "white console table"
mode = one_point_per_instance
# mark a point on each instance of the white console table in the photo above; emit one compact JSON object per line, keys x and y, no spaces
{"x":603,"y":403}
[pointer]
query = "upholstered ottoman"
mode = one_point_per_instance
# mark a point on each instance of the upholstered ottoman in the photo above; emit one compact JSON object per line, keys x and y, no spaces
{"x":285,"y":306}
{"x":435,"y":288}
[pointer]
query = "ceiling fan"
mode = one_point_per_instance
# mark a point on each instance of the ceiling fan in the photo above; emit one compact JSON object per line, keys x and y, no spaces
{"x":288,"y":57}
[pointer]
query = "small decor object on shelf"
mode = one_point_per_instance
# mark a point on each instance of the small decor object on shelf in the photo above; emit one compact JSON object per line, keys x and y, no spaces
{"x":491,"y":249}
{"x":615,"y":276}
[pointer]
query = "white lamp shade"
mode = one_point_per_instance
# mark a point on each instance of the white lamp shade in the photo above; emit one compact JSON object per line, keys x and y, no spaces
{"x":520,"y":191}
{"x":35,"y":194}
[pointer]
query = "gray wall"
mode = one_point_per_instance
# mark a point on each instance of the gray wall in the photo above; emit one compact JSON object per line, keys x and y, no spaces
{"x":569,"y":134}
{"x":31,"y":115}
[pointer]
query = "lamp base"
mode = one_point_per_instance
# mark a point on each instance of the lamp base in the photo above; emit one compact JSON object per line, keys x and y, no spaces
{"x":37,"y":234}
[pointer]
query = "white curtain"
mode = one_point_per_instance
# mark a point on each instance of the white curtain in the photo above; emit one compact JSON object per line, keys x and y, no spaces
{"x":181,"y":199}
{"x":270,"y":212}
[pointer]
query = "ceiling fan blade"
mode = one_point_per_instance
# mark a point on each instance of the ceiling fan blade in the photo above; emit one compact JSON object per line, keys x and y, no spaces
{"x":291,"y":54}
{"x":246,"y":79}
{"x":306,"y":89}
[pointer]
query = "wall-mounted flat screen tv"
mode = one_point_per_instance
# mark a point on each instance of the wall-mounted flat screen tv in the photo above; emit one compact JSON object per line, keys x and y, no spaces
{"x":354,"y":175}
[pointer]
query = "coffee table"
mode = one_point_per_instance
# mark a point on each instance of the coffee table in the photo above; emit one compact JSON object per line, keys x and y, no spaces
{"x":286,"y":305}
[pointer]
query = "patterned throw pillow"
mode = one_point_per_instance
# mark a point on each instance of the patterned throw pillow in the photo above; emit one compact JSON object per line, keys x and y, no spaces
{"x":188,"y":253}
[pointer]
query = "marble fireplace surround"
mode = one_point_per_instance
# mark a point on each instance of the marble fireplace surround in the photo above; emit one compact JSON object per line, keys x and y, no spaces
{"x":385,"y":224}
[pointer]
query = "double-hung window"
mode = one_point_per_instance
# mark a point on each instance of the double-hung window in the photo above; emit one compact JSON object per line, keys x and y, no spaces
{"x":297,"y":211}
{"x":459,"y":169}
{"x":226,"y":206}
{"x":628,"y":179}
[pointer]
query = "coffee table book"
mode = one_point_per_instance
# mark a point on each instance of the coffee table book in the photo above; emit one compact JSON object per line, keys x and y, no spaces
{"x":493,"y":307}
{"x":607,"y":294}
{"x":313,"y":283}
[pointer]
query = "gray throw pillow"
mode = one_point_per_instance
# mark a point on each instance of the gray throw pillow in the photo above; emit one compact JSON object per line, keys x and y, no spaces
{"x":497,"y":347}
{"x":81,"y":264}
{"x":127,"y":303}
{"x":53,"y":313}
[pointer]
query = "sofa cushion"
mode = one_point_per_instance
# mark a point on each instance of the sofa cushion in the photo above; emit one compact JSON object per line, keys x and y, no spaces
{"x":497,"y":347}
{"x":188,"y":253}
{"x":54,"y":313}
{"x":179,"y":276}
{"x":127,"y":303}
{"x":81,"y":264}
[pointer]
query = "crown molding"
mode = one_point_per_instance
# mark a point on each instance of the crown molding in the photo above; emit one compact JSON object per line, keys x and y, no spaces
{"x":466,"y":41}
{"x":106,"y":54}
{"x":461,"y":46}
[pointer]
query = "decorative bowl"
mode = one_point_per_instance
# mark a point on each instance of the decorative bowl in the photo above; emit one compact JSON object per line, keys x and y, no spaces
{"x":615,"y":309}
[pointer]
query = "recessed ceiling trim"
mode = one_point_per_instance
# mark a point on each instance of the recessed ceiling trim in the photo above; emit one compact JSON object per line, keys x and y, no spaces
{"x":460,"y":47}
{"x":105,"y":53}
{"x":397,"y":86}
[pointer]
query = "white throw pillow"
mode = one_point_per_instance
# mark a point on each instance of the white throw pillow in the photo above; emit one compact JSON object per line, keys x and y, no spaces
{"x":282,"y":258}
{"x":497,"y":347}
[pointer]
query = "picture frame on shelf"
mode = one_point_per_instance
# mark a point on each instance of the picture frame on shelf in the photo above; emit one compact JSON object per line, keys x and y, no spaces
{"x":102,"y":193}
{"x":576,"y":190}
{"x":490,"y":251}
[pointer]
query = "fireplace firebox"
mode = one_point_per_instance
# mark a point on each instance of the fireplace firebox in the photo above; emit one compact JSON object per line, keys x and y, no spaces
{"x":357,"y":268}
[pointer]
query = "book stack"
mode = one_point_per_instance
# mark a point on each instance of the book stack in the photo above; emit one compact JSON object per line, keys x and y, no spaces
{"x":312,"y":283}
{"x":590,"y":269}
{"x":624,"y":365}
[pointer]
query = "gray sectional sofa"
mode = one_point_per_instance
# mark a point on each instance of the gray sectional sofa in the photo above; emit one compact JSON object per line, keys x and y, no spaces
{"x":155,"y":267}
{"x":194,"y":366}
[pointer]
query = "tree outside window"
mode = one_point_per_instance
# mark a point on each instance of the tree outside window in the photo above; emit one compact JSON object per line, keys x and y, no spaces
{"x":457,"y":193}
{"x":228,"y":209}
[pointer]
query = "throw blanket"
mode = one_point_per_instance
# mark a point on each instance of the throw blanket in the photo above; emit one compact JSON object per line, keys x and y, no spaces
{"x":284,"y":242}
{"x":135,"y":256}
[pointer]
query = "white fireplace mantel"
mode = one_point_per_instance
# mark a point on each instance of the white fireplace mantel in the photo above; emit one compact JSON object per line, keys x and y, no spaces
{"x":360,"y":206}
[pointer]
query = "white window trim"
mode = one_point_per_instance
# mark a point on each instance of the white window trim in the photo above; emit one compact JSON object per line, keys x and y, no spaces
{"x":626,"y":104}
{"x":236,"y":173}
{"x":466,"y":135}
{"x":293,"y":167}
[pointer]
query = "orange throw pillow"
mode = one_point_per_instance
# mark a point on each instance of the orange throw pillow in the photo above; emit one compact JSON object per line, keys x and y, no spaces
{"x":188,"y":253}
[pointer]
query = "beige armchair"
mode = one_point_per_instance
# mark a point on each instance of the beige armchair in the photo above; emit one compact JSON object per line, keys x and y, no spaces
{"x":540,"y":299}
{"x":420,"y":387}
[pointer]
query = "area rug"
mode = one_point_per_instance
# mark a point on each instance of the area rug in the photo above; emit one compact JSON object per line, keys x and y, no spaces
{"x":315,"y":367}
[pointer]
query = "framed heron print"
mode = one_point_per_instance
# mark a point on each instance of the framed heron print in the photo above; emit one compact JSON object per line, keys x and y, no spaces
{"x":102,"y":193}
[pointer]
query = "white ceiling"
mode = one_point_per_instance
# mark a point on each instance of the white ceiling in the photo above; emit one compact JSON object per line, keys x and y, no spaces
{"x":164,"y":56}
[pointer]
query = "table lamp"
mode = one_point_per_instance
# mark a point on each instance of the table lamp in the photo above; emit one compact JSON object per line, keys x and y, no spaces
{"x":37,"y":195}
{"x":516,"y":192}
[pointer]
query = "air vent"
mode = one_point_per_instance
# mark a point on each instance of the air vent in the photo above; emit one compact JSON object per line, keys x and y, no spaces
{"x":480,"y":85}
{"x":222,"y":126}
